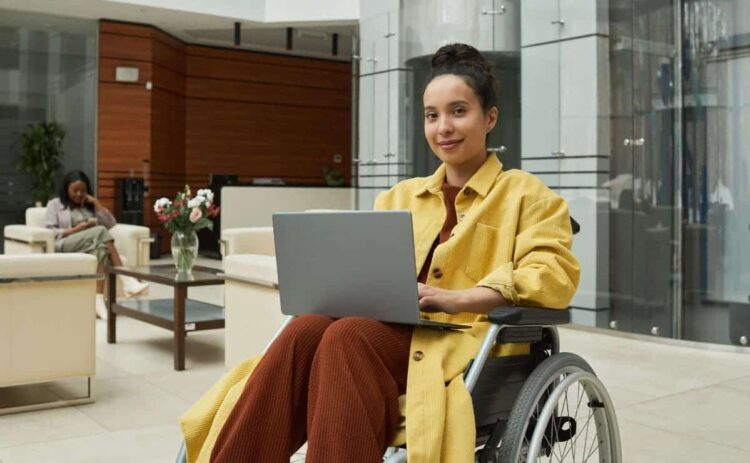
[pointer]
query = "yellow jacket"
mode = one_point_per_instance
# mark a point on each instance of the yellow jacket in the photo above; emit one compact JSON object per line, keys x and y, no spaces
{"x":513,"y":235}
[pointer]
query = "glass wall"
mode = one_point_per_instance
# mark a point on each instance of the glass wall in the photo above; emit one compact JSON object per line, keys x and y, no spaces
{"x":635,"y":111}
{"x":48,"y":72}
{"x":493,"y":27}
{"x":716,"y":170}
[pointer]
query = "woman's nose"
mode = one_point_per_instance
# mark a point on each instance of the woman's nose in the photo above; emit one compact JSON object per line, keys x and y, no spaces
{"x":444,"y":126}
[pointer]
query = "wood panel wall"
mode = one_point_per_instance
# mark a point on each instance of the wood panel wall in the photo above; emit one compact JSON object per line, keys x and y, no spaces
{"x":213,"y":110}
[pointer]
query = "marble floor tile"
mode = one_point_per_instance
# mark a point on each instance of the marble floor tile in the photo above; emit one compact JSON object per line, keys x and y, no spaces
{"x":742,"y":384}
{"x":154,"y":444}
{"x":645,"y":444}
{"x":46,"y":425}
{"x":654,"y":370}
{"x":129,"y":403}
{"x":715,"y":414}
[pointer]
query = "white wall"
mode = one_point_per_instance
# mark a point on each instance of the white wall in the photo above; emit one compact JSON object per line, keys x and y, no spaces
{"x":251,"y":10}
{"x":370,"y":8}
{"x":269,"y":11}
{"x":291,"y":11}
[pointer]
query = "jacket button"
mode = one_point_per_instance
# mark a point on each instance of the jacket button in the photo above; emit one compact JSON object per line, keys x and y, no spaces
{"x":418,"y":355}
{"x":467,"y":192}
{"x":437,"y":273}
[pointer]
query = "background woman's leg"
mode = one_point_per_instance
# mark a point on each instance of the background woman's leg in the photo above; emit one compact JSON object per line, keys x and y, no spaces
{"x":358,"y":373}
{"x":268,"y":422}
{"x":114,"y":256}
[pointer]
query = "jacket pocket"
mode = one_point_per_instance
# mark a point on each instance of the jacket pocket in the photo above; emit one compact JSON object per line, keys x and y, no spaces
{"x":489,"y":249}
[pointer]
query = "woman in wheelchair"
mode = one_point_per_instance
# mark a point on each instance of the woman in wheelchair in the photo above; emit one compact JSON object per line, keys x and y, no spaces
{"x":484,"y":238}
{"x":81,"y":224}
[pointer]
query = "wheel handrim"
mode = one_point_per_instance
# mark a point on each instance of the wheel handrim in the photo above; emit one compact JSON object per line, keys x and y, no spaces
{"x":575,"y":398}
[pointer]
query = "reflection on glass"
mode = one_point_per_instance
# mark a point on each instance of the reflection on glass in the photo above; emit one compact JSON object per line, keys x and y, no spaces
{"x":716,"y":192}
{"x":47,"y":73}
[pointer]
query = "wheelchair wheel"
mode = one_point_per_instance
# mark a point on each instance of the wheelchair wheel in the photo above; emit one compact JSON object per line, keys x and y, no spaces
{"x":563,"y":413}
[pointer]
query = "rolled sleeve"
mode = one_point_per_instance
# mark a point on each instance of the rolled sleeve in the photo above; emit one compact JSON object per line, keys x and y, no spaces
{"x":104,"y":217}
{"x":544,"y":271}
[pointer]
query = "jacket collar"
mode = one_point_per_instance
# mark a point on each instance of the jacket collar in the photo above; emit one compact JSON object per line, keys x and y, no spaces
{"x":481,"y":181}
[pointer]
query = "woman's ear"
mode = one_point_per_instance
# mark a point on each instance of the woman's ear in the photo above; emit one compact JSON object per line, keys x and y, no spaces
{"x":491,"y":119}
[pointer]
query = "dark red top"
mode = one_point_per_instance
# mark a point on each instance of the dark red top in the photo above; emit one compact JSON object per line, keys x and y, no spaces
{"x":449,"y":198}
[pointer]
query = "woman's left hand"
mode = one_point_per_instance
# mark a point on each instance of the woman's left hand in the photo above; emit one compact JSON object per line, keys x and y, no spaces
{"x":93,"y":201}
{"x":453,"y":301}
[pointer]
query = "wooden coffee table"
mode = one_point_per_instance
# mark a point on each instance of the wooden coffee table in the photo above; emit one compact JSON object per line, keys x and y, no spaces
{"x":179,"y":314}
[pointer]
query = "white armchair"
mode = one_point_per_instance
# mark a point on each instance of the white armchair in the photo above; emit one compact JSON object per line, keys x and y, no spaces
{"x":251,"y":296}
{"x":131,"y":241}
{"x":248,"y":240}
{"x":47,"y":321}
{"x":252,"y":309}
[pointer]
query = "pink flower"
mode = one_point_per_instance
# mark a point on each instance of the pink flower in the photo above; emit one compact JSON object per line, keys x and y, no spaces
{"x":195,"y":214}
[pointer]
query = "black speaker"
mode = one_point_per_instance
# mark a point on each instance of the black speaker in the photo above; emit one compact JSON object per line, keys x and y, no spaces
{"x":209,"y":239}
{"x":129,"y":197}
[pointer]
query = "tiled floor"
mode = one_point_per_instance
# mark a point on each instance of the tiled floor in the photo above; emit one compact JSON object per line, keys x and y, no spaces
{"x":674,"y":403}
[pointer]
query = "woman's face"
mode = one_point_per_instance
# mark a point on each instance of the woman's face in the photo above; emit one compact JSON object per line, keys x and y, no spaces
{"x":455,"y":124}
{"x":77,"y":192}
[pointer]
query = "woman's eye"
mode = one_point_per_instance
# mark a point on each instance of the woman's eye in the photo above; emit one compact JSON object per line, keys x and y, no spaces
{"x":459,"y":111}
{"x":430,"y":116}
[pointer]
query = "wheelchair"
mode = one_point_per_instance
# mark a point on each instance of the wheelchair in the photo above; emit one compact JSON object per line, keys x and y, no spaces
{"x":544,"y":406}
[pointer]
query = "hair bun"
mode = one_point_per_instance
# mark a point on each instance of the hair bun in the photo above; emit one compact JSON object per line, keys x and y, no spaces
{"x":466,"y":61}
{"x":453,"y":55}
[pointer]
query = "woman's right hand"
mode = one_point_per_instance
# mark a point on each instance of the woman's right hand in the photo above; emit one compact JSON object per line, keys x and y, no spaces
{"x":82,"y":226}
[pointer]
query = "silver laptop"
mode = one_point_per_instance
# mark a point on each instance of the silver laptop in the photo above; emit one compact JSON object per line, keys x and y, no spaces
{"x":349,"y":263}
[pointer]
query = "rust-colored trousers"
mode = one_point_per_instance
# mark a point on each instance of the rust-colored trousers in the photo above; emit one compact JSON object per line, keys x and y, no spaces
{"x":332,"y":383}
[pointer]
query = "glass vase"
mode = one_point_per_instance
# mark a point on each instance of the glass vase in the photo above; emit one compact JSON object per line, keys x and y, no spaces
{"x":184,"y":251}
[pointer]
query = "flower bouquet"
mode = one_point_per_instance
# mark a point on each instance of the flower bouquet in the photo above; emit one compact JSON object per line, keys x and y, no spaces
{"x":183,"y":217}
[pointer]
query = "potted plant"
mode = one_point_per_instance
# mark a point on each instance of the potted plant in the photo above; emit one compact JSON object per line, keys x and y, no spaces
{"x":333,"y":177}
{"x":41,"y":153}
{"x":183,"y":217}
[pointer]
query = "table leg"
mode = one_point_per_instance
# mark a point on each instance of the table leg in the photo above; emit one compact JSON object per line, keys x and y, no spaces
{"x":111,"y":299}
{"x":180,"y":295}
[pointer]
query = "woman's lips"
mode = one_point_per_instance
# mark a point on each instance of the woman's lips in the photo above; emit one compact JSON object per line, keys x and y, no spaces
{"x":449,"y":144}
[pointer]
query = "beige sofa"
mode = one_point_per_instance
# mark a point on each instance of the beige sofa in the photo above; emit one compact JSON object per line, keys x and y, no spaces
{"x":131,"y":241}
{"x":47,"y":321}
{"x":251,"y":296}
{"x":251,"y":299}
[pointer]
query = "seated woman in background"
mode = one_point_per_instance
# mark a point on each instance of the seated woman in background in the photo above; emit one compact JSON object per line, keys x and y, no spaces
{"x":484,"y":237}
{"x":81,"y":224}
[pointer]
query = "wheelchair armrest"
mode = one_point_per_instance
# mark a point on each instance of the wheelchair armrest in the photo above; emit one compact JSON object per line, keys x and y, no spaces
{"x":524,"y":316}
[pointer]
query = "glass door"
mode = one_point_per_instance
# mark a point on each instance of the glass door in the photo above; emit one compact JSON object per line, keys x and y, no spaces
{"x":716,"y":166}
{"x":642,"y":215}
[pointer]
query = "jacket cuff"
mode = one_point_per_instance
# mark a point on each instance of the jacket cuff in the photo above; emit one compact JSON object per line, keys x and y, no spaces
{"x":501,"y":280}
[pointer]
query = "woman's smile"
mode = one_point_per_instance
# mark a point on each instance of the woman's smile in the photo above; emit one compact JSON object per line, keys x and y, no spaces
{"x":449,"y":145}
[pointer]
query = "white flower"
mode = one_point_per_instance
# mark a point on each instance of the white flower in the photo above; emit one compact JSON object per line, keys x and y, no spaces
{"x":161,"y":204}
{"x":196,"y":202}
{"x":206,"y":193}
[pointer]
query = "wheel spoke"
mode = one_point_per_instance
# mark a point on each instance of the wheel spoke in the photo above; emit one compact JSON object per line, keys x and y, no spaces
{"x":588,"y":422}
{"x":593,"y":449}
{"x":564,"y":434}
{"x":586,"y":437}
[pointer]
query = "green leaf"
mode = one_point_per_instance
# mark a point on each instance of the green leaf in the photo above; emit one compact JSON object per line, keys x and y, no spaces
{"x":40,"y":159}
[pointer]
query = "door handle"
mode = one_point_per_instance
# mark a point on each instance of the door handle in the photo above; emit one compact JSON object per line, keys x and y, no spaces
{"x":559,"y":22}
{"x":627,"y":142}
{"x":639,"y":142}
{"x":499,"y":11}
